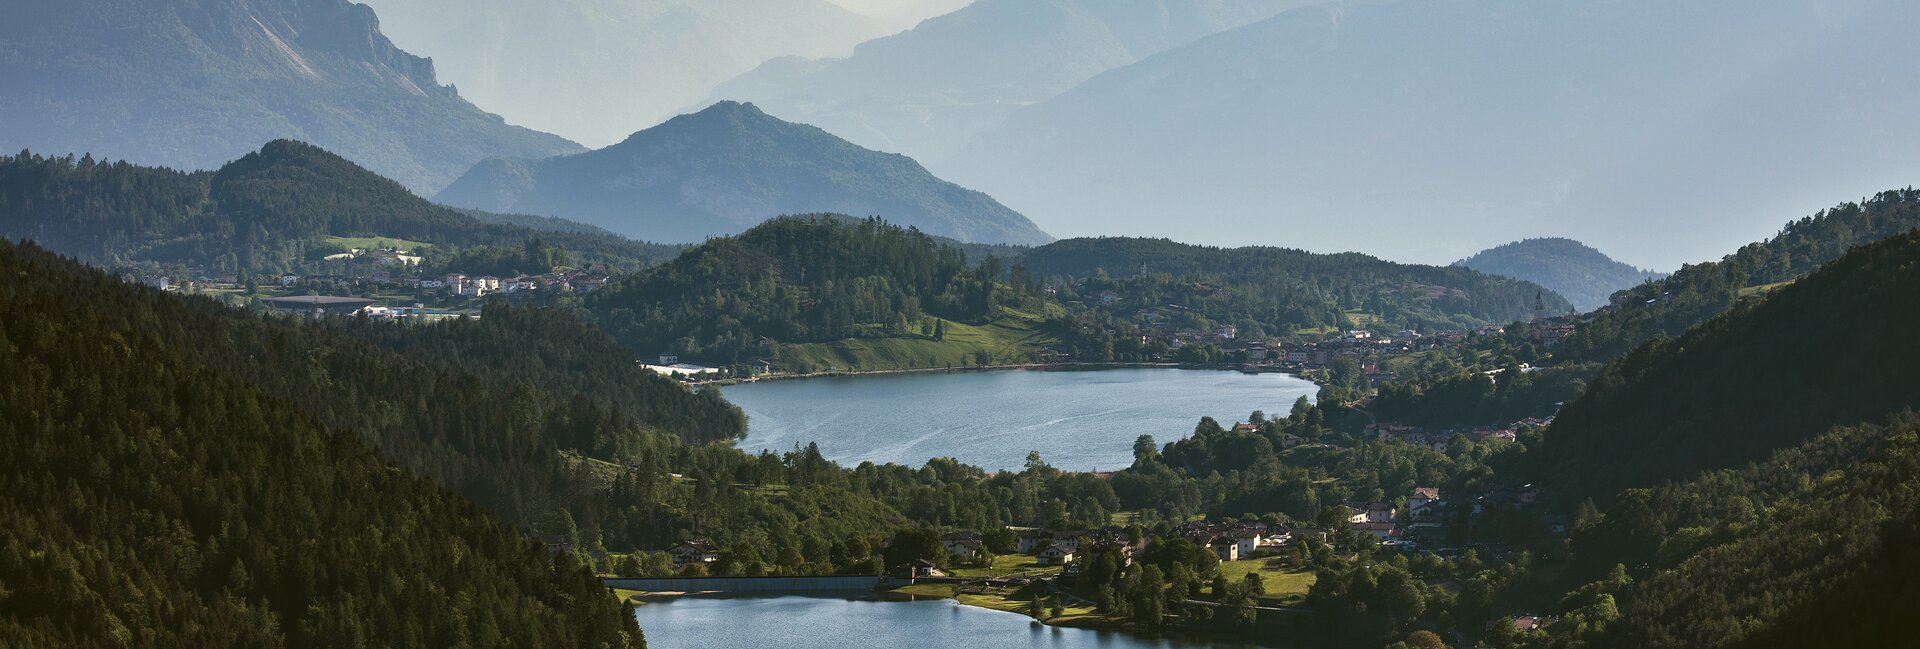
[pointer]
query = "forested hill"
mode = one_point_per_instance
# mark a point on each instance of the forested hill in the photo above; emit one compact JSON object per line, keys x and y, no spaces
{"x":153,"y":498}
{"x":459,"y":402}
{"x":1835,"y":347}
{"x":798,"y":279}
{"x":1281,"y":290}
{"x":1585,"y":276}
{"x":727,"y":168}
{"x":1670,"y":306}
{"x":193,"y":83}
{"x":266,"y":212}
{"x":1757,"y":473}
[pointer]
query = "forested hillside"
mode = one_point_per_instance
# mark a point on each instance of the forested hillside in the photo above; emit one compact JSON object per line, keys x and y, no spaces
{"x":1813,"y":546}
{"x":154,"y":498}
{"x":799,"y":280}
{"x":267,"y":212}
{"x":1585,"y":276}
{"x":1831,"y":348}
{"x":444,"y":400}
{"x":1276,"y":291}
{"x":1697,"y":292}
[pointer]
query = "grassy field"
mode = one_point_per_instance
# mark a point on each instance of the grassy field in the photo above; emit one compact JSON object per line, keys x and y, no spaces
{"x":1006,"y":599}
{"x":1010,"y":338}
{"x":1283,"y":585}
{"x":1763,"y":289}
{"x":375,"y":243}
{"x":1006,"y":564}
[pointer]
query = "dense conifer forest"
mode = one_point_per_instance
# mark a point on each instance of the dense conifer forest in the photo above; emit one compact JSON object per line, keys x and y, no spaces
{"x":154,"y":499}
{"x":1276,"y":291}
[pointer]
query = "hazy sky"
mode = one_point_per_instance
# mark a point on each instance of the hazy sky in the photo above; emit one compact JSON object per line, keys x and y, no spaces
{"x":901,"y":14}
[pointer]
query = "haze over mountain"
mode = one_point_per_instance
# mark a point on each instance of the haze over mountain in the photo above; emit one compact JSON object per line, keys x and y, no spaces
{"x":727,"y":168}
{"x":1412,"y":129}
{"x":195,"y":83}
{"x":596,"y":70}
{"x":926,"y":91}
{"x":1586,"y":277}
{"x":901,"y":14}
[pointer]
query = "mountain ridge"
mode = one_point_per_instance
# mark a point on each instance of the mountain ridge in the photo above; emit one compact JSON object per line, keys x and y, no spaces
{"x":193,"y":84}
{"x":726,"y":168}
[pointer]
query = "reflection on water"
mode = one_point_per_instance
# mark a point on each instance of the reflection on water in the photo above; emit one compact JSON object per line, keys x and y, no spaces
{"x":1077,"y":420}
{"x":841,"y":622}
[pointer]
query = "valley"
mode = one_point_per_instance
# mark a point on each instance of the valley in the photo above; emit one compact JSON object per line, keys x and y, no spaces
{"x":303,"y":345}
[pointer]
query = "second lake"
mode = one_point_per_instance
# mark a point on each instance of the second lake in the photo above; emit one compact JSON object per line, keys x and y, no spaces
{"x":1077,"y":420}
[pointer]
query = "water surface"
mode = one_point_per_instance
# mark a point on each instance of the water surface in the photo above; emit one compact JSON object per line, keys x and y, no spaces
{"x":826,"y":622}
{"x":1077,"y":420}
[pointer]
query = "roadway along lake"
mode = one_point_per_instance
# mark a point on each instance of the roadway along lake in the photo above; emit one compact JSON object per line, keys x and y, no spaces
{"x":826,"y":622}
{"x":1077,"y":420}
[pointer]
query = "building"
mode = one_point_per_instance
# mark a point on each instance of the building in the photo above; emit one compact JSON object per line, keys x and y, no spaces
{"x":694,"y":551}
{"x":1055,"y":555}
{"x":1422,"y":496}
{"x":1227,"y":549}
{"x":1245,"y":540}
{"x":318,"y":304}
{"x":961,"y":544}
{"x":557,"y":545}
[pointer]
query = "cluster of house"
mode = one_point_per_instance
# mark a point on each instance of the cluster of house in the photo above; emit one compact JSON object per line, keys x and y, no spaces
{"x":459,"y":284}
{"x":1439,"y":439}
{"x":1423,"y":521}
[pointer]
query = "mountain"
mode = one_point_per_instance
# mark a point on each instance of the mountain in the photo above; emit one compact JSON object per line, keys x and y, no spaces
{"x":1409,"y":128}
{"x":726,"y":168}
{"x":270,"y":211}
{"x":193,"y":84}
{"x":153,"y":498}
{"x":1587,"y":277}
{"x":926,"y":91}
{"x":597,"y":70}
{"x":1278,"y":291}
{"x":898,"y":15}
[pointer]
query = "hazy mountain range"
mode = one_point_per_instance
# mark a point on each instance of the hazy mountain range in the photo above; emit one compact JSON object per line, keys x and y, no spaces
{"x":195,"y":83}
{"x":597,"y":70}
{"x":1412,"y":129}
{"x":726,"y":168}
{"x":926,"y":91}
{"x":1586,"y":277}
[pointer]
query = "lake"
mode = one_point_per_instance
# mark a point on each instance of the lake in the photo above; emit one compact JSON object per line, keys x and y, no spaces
{"x":828,"y":622}
{"x":1077,"y":420}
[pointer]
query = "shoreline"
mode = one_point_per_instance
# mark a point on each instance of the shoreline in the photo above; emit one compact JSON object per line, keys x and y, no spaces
{"x":1075,"y":366}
